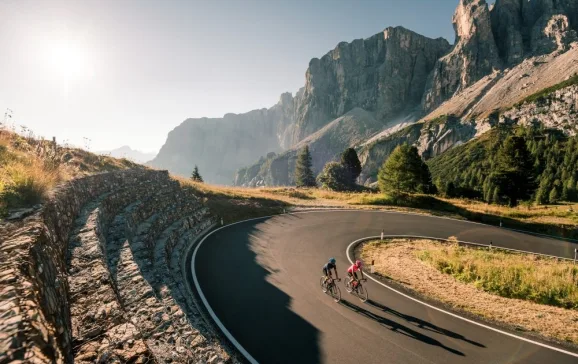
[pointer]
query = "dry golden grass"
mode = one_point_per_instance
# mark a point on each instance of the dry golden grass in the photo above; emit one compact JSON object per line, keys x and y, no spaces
{"x":552,"y":219}
{"x":525,"y":276}
{"x":30,"y":168}
{"x":398,"y":260}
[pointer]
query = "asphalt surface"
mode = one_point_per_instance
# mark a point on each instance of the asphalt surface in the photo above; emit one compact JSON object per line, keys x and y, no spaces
{"x":261,"y":278}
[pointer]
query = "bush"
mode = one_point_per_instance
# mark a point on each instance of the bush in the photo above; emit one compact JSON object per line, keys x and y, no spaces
{"x":334,"y":176}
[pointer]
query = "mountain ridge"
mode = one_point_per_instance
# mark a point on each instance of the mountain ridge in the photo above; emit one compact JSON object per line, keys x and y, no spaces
{"x":501,"y":54}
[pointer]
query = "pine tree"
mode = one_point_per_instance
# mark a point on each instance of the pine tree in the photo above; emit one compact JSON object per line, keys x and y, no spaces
{"x":553,"y":197}
{"x":496,"y":196}
{"x":513,"y":170}
{"x":404,"y":171}
{"x":351,"y":163}
{"x":303,"y":174}
{"x":196,"y":176}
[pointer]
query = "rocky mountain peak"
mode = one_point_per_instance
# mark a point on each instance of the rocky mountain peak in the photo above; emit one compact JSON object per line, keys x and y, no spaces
{"x":384,"y":74}
{"x":474,"y":55}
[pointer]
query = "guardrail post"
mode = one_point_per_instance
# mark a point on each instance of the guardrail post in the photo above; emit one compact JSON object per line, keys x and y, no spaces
{"x":372,"y":270}
{"x":222,"y":221}
{"x":381,"y":236}
{"x":490,"y":245}
{"x":500,"y":223}
{"x":575,"y":254}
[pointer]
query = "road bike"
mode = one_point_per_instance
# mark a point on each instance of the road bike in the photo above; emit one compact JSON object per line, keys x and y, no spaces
{"x":328,"y":286}
{"x":356,"y":288}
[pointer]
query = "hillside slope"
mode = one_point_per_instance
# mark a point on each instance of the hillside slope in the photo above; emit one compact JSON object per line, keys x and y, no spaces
{"x":325,"y":145}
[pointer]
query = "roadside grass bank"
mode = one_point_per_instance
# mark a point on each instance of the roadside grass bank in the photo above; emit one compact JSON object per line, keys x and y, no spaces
{"x":526,"y":293}
{"x":558,"y":220}
{"x":31,"y":167}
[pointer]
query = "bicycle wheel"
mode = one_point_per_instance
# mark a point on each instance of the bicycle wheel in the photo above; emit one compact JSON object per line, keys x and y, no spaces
{"x":335,"y":293}
{"x":362,"y":293}
{"x":348,"y":287}
{"x":323,"y":285}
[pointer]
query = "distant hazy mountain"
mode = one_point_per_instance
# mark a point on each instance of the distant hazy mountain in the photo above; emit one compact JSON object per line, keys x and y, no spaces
{"x":129,"y":153}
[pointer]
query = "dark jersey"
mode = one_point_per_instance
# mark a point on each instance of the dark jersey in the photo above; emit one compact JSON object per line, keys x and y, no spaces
{"x":329,"y":266}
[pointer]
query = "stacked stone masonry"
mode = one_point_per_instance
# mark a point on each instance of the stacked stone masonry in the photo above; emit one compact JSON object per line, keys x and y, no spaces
{"x":96,"y":275}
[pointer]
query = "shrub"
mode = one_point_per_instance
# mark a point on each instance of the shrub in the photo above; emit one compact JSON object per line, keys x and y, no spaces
{"x":334,"y":176}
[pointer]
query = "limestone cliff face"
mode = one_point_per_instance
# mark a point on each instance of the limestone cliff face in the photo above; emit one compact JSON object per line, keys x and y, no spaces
{"x":384,"y":74}
{"x":490,"y":40}
{"x":474,"y":55}
{"x":220,"y":146}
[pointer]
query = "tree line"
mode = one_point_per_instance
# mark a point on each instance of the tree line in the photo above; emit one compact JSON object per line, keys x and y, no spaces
{"x":507,"y":166}
{"x":403,"y":172}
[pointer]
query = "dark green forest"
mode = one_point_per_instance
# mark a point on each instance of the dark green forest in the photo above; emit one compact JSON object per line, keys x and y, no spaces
{"x":511,"y":164}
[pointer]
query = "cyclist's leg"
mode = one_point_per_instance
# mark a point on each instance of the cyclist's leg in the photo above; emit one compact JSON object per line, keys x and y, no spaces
{"x":325,"y":274}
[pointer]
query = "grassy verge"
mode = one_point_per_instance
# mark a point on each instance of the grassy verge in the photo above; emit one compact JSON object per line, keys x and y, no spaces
{"x":537,"y":279}
{"x":559,"y":220}
{"x":407,"y":262}
{"x":30,"y":168}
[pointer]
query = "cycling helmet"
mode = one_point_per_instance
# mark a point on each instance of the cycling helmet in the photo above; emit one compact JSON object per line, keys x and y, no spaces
{"x":358,"y":263}
{"x":332,"y":260}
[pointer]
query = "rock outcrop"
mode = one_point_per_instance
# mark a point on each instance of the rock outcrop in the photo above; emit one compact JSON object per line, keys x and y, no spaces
{"x":384,"y":74}
{"x":474,"y":55}
{"x":431,"y":138}
{"x":558,"y":110}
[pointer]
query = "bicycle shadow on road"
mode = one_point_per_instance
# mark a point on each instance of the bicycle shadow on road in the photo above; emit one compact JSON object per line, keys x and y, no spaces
{"x":422,"y":324}
{"x":401,"y":329}
{"x":239,"y":285}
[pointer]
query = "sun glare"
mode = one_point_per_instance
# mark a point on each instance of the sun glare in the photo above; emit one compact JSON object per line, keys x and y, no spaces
{"x":68,"y":61}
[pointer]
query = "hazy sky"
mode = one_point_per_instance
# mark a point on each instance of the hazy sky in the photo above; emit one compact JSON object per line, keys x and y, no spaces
{"x":128,"y":71}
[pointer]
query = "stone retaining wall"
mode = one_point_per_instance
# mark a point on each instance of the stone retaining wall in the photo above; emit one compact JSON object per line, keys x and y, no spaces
{"x":37,"y":265}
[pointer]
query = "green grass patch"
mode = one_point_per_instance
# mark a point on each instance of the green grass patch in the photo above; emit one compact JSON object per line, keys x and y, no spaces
{"x":512,"y":275}
{"x":541,"y":95}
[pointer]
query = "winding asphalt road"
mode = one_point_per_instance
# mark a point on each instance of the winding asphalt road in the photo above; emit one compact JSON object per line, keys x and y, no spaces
{"x":261,"y":279}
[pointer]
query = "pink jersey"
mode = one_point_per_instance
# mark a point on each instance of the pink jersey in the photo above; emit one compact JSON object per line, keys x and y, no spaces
{"x":353,"y":269}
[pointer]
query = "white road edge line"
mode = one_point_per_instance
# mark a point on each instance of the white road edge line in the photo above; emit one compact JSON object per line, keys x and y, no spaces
{"x":252,"y":360}
{"x":206,"y":303}
{"x":447,"y":312}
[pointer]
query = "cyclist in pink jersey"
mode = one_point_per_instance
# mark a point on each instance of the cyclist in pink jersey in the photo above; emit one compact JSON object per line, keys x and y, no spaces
{"x":356,"y":267}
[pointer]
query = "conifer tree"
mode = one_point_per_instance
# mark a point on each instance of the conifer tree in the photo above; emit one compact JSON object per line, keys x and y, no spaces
{"x":196,"y":176}
{"x":303,"y":174}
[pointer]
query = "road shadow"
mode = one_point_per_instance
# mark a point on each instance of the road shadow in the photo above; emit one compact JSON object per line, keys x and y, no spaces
{"x":401,"y":329}
{"x":237,"y":284}
{"x":422,"y":324}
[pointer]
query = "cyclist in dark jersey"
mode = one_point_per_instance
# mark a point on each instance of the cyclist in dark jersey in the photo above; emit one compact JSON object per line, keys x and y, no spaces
{"x":328,"y":267}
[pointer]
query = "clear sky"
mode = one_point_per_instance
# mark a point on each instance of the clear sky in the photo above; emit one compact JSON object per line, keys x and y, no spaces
{"x":126,"y":72}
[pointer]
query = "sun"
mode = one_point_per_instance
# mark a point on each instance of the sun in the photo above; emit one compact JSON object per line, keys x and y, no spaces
{"x":68,"y":61}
